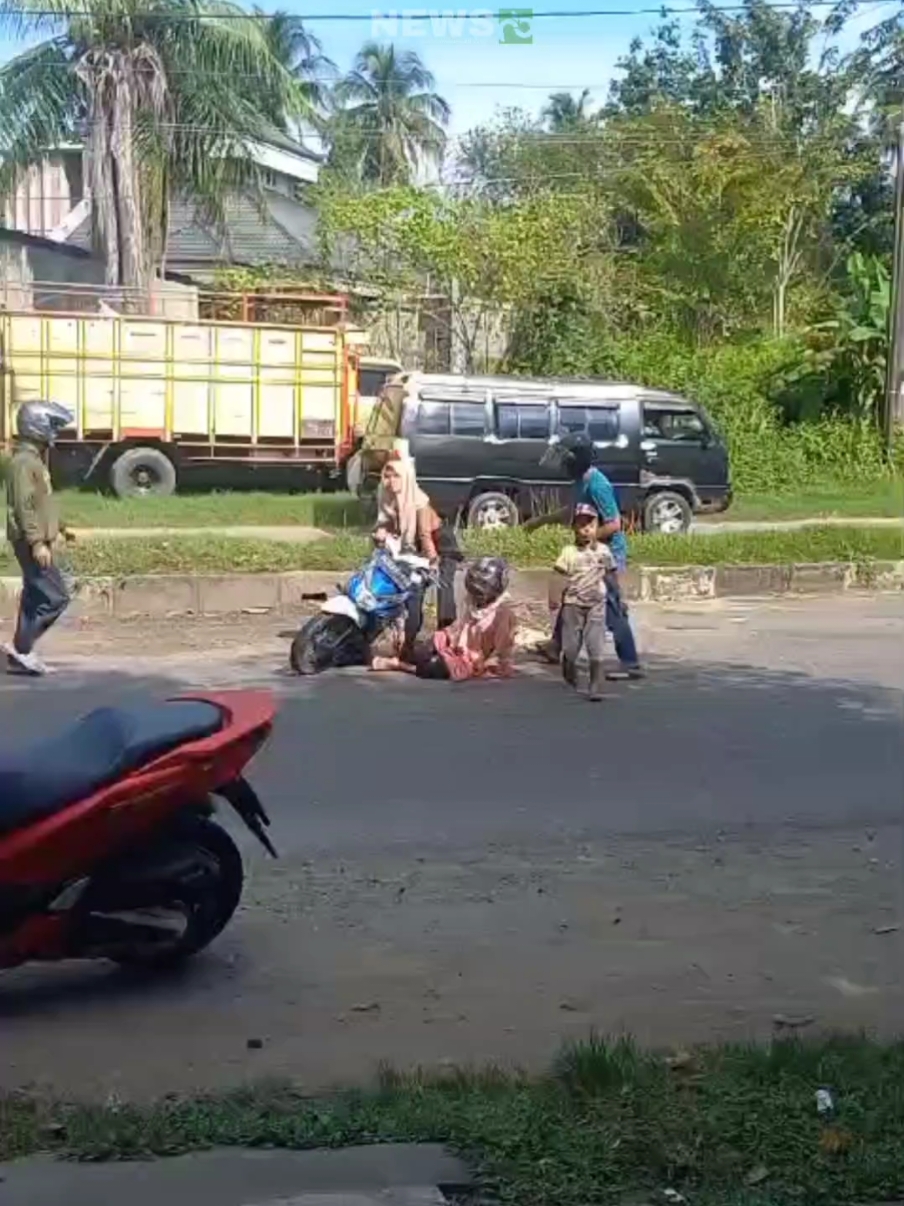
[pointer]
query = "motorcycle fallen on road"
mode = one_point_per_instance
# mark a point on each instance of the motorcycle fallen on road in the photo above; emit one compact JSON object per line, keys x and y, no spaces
{"x":108,"y":844}
{"x":372,"y":600}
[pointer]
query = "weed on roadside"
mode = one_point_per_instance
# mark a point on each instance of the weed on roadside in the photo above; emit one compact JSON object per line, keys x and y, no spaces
{"x":120,"y":557}
{"x":730,"y":1125}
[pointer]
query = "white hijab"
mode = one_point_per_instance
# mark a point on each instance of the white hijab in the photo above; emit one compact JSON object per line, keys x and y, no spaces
{"x":399,"y":511}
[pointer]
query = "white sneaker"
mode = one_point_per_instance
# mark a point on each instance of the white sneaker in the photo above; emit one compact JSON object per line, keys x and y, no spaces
{"x":24,"y":663}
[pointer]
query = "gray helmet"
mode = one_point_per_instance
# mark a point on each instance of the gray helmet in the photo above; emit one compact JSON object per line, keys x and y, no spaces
{"x":42,"y":421}
{"x":486,"y":579}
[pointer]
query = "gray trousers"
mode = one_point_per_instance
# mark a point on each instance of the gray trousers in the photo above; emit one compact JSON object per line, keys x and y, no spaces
{"x":583,"y":627}
{"x":44,"y":598}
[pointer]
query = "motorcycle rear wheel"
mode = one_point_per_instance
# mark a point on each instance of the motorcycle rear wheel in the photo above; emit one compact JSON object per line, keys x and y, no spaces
{"x":194,"y":877}
{"x":326,"y":641}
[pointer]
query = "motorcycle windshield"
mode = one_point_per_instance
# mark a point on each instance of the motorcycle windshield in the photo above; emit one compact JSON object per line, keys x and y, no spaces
{"x":378,"y":588}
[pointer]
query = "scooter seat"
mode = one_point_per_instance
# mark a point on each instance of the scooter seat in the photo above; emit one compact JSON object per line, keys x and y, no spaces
{"x":57,"y":771}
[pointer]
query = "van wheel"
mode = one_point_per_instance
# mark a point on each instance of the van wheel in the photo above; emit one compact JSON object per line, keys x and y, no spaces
{"x":141,"y":471}
{"x":667,"y":512}
{"x":493,"y":510}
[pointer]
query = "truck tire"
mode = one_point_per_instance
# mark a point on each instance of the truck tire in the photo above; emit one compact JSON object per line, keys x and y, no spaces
{"x":140,"y":471}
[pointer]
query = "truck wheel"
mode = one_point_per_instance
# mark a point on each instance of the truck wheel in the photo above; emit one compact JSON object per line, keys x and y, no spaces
{"x":667,"y":511}
{"x":141,"y":471}
{"x":493,"y":510}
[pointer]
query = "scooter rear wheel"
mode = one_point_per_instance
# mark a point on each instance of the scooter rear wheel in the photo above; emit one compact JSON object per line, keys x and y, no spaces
{"x":192,"y":882}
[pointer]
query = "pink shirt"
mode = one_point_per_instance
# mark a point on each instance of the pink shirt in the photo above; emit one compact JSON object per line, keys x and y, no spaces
{"x":479,"y":644}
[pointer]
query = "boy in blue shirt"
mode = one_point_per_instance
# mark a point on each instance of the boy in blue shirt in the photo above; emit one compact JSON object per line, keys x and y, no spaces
{"x":593,"y":488}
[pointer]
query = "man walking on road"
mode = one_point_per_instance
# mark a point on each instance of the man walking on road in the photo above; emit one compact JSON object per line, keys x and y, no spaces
{"x":33,"y":528}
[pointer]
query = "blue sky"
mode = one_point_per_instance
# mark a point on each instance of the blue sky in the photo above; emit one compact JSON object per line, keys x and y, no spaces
{"x":572,"y":53}
{"x":478,"y":74}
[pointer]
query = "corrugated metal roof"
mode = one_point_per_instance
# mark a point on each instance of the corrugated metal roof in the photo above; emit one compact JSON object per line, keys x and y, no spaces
{"x":277,"y":231}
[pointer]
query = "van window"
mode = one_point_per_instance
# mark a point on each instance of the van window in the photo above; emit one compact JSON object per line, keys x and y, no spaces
{"x":451,"y":418}
{"x":519,"y":421}
{"x":673,"y":423}
{"x":432,"y":418}
{"x":372,"y":380}
{"x":600,"y":423}
{"x":469,"y":418}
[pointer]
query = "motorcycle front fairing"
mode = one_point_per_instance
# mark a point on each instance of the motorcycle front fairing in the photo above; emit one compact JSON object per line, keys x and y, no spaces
{"x":342,"y":605}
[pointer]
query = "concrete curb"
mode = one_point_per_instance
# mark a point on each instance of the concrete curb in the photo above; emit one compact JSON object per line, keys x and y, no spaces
{"x":163,"y":595}
{"x":395,"y":1174}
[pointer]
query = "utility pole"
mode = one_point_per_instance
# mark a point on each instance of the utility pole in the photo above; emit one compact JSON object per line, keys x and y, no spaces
{"x":894,"y":398}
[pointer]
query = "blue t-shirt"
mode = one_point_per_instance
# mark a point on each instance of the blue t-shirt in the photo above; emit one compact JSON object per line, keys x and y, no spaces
{"x":596,"y":489}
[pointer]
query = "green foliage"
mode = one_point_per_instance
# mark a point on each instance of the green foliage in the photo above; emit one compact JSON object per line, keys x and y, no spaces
{"x":749,"y":388}
{"x":610,"y":1123}
{"x":388,"y":118}
{"x":477,"y":255}
{"x":740,"y":384}
{"x":844,"y":368}
{"x":345,"y":550}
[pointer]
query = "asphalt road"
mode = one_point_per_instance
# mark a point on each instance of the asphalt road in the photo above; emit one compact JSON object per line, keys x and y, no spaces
{"x":478,"y":872}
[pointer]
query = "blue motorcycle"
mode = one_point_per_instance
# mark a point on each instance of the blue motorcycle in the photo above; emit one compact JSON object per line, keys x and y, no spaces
{"x":348,"y":624}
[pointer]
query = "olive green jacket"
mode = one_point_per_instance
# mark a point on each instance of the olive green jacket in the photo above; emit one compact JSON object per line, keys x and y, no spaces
{"x":31,"y":510}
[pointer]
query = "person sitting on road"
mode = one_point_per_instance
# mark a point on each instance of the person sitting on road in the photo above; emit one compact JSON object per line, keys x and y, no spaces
{"x":593,"y":488}
{"x":481,"y":641}
{"x":577,"y":592}
{"x":405,"y":511}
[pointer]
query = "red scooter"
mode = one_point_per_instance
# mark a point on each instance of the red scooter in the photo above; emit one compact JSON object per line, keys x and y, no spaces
{"x":108,"y":846}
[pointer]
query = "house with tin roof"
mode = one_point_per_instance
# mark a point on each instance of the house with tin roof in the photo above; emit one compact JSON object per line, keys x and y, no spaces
{"x":272,"y":225}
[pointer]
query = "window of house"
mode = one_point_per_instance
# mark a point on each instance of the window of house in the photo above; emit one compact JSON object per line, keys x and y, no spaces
{"x":522,"y":421}
{"x":681,"y":424}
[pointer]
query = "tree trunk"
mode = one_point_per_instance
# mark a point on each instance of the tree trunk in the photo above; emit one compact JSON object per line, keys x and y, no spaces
{"x":789,"y":258}
{"x":133,"y":255}
{"x":102,"y":186}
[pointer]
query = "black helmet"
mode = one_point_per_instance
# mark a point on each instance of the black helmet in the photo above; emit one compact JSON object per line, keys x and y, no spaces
{"x":42,"y":422}
{"x":486,"y":579}
{"x":577,"y":453}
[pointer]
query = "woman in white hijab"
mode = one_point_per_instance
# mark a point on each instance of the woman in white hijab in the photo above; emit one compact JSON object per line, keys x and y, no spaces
{"x":405,"y":511}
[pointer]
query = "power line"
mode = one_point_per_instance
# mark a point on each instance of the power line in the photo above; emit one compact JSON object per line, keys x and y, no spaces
{"x":531,"y":15}
{"x":605,"y":137}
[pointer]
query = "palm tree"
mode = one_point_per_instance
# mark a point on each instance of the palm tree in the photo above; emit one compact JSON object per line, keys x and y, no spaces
{"x":389,"y":111}
{"x":565,"y":112}
{"x":154,"y":91}
{"x":299,"y":51}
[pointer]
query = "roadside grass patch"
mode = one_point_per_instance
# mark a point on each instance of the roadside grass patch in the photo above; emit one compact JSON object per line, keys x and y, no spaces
{"x":872,"y":500}
{"x":344,"y":551}
{"x":227,"y":508}
{"x":238,"y":508}
{"x":609,"y":1122}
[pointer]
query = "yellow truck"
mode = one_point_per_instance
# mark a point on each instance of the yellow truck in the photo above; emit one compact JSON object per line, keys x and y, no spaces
{"x":157,"y":399}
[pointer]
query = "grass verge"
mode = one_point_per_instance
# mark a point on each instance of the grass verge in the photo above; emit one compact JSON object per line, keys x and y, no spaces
{"x":342,"y":551}
{"x":729,"y":1125}
{"x":874,"y":500}
{"x":237,"y":508}
{"x":217,"y":508}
